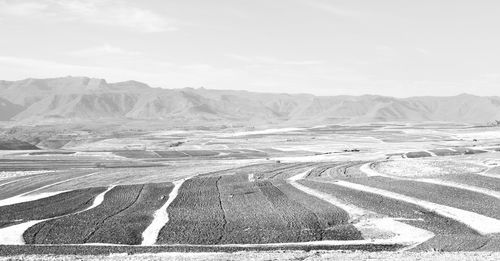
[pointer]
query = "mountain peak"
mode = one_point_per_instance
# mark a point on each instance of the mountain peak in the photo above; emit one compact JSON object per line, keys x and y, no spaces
{"x":96,"y":84}
{"x":83,"y":98}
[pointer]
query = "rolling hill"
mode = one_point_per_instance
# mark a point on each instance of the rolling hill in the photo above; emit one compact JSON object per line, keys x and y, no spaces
{"x":77,"y":99}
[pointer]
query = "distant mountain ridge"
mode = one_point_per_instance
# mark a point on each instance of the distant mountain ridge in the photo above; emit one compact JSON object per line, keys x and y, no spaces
{"x":83,"y":98}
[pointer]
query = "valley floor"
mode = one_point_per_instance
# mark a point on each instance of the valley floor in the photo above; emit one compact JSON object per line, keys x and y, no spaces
{"x":363,"y":192}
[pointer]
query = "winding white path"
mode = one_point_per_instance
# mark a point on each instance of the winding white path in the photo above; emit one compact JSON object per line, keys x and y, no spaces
{"x":26,"y":197}
{"x":13,"y":235}
{"x":375,"y":228}
{"x":370,"y":172}
{"x":367,"y":169}
{"x":482,"y":224}
{"x":160,"y":218}
{"x":10,"y":182}
{"x":484,"y":191}
{"x":431,"y":153}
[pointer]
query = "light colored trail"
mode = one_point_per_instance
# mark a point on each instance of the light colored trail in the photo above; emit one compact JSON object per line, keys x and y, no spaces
{"x":488,"y":175}
{"x":13,"y":235}
{"x":369,"y":171}
{"x":482,"y":224}
{"x":57,"y":183}
{"x":372,"y":172}
{"x":375,"y":228}
{"x":26,"y":197}
{"x":484,"y":191}
{"x":10,"y":182}
{"x":160,"y":217}
{"x":431,"y":153}
{"x":184,"y":153}
{"x":97,"y":201}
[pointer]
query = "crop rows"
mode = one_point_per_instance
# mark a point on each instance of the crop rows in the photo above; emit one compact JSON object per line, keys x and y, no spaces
{"x":253,"y":218}
{"x":321,"y":170}
{"x":120,"y":219}
{"x":449,"y":196}
{"x":196,"y":215}
{"x":238,"y":154}
{"x":136,"y":154}
{"x":333,"y":221}
{"x":231,"y":210}
{"x":49,"y":164}
{"x":345,"y":171}
{"x":32,"y":182}
{"x":450,"y":234}
{"x":418,"y":154}
{"x":474,"y":180}
{"x":58,"y":205}
{"x":445,"y":152}
{"x":284,"y":170}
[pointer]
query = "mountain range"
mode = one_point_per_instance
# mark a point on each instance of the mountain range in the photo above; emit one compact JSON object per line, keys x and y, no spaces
{"x":77,"y":99}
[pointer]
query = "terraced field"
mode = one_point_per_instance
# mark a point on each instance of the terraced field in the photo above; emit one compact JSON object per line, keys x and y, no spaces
{"x":196,"y":216}
{"x":235,"y":198}
{"x":50,"y":207}
{"x":36,"y":182}
{"x":120,"y":219}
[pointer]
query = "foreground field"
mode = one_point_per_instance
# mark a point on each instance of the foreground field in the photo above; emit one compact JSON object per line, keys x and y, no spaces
{"x":247,"y":191}
{"x":277,"y":255}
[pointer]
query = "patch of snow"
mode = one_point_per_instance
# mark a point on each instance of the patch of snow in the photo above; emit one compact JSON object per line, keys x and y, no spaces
{"x":160,"y":217}
{"x":21,"y":199}
{"x":98,"y":200}
{"x":431,"y":153}
{"x":13,"y":235}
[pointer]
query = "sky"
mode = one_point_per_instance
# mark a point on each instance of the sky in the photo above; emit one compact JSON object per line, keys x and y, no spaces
{"x":325,"y":47}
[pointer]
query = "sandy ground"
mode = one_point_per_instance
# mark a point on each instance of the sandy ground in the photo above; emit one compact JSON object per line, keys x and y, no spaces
{"x":279,"y":255}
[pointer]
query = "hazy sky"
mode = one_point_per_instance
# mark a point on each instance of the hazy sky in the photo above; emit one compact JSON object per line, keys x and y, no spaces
{"x":397,"y":48}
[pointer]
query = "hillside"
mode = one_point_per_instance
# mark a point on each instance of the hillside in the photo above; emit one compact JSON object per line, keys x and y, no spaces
{"x":8,"y":109}
{"x":77,"y":99}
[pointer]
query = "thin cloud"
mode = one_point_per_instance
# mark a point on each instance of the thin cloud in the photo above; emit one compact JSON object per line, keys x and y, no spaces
{"x":113,"y":13}
{"x":331,"y":9}
{"x":422,"y":50}
{"x":104,"y":50}
{"x":266,"y":60}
